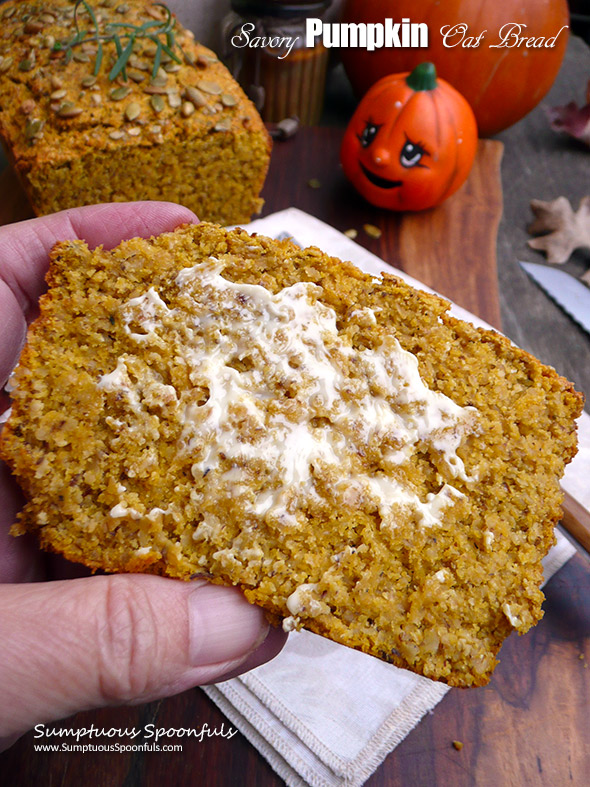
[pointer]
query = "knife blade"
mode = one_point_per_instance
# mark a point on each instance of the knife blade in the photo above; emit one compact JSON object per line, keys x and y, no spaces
{"x":568,"y":292}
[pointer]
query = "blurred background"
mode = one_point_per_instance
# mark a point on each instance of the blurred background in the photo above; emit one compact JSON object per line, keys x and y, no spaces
{"x":580,"y":12}
{"x":204,"y":17}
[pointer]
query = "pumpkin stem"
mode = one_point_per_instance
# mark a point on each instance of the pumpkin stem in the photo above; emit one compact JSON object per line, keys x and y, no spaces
{"x":423,"y":77}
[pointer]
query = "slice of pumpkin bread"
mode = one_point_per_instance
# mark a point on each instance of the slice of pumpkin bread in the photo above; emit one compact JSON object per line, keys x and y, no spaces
{"x":359,"y":462}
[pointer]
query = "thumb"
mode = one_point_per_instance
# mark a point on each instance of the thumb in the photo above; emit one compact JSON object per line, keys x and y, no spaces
{"x":86,"y":643}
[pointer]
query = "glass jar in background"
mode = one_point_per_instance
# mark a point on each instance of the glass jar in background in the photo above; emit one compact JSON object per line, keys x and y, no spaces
{"x":264,"y":48}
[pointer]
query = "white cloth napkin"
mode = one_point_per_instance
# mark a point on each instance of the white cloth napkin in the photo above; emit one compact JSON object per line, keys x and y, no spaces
{"x":320,"y":713}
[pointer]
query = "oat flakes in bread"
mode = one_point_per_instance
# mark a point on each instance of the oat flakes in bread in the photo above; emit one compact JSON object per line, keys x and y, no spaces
{"x":359,"y":462}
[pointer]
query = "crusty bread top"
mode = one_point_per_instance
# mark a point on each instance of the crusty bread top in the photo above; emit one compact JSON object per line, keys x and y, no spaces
{"x":53,"y":106}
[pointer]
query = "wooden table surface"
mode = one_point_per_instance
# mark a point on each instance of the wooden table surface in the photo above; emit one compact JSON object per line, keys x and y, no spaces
{"x":530,"y":725}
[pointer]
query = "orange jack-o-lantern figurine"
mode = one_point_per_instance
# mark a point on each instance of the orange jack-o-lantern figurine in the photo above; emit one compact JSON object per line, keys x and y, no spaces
{"x":411,"y":142}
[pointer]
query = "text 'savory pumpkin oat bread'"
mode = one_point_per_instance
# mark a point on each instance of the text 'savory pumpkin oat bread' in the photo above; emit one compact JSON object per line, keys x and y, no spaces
{"x":107,"y":101}
{"x":359,"y":462}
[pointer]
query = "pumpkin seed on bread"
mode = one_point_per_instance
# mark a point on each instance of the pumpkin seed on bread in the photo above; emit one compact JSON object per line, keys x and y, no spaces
{"x":115,"y":102}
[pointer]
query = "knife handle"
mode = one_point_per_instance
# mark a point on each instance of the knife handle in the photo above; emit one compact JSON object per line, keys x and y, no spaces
{"x":576,"y":520}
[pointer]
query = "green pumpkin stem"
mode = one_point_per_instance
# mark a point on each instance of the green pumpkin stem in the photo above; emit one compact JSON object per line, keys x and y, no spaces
{"x":423,"y":77}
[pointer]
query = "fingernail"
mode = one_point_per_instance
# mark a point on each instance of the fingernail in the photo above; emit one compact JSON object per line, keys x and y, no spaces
{"x":266,"y":651}
{"x":223,"y":625}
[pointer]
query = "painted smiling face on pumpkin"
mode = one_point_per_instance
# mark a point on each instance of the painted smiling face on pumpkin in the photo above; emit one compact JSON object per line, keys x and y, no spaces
{"x":411,"y":142}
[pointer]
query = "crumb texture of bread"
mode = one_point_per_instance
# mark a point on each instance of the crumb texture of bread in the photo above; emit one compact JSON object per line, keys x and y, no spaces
{"x":356,"y":460}
{"x":173,"y":125}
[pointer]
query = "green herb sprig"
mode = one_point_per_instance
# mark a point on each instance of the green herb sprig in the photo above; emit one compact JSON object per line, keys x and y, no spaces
{"x":123,"y":35}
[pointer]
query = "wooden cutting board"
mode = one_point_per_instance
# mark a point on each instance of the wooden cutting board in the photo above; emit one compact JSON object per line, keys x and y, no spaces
{"x":451,"y":248}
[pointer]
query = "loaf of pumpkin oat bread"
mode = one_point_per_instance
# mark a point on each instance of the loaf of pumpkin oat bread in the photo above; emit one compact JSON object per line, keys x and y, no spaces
{"x":105,"y":101}
{"x":356,"y":460}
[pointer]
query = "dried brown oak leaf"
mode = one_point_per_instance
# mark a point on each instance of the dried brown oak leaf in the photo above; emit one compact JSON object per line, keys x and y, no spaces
{"x":565,"y":230}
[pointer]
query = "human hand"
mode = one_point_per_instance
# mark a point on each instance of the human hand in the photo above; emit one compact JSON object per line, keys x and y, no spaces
{"x":73,"y":644}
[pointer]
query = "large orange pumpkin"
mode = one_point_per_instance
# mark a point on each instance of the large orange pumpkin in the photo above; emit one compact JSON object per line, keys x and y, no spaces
{"x":411,"y":142}
{"x":502,"y":85}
